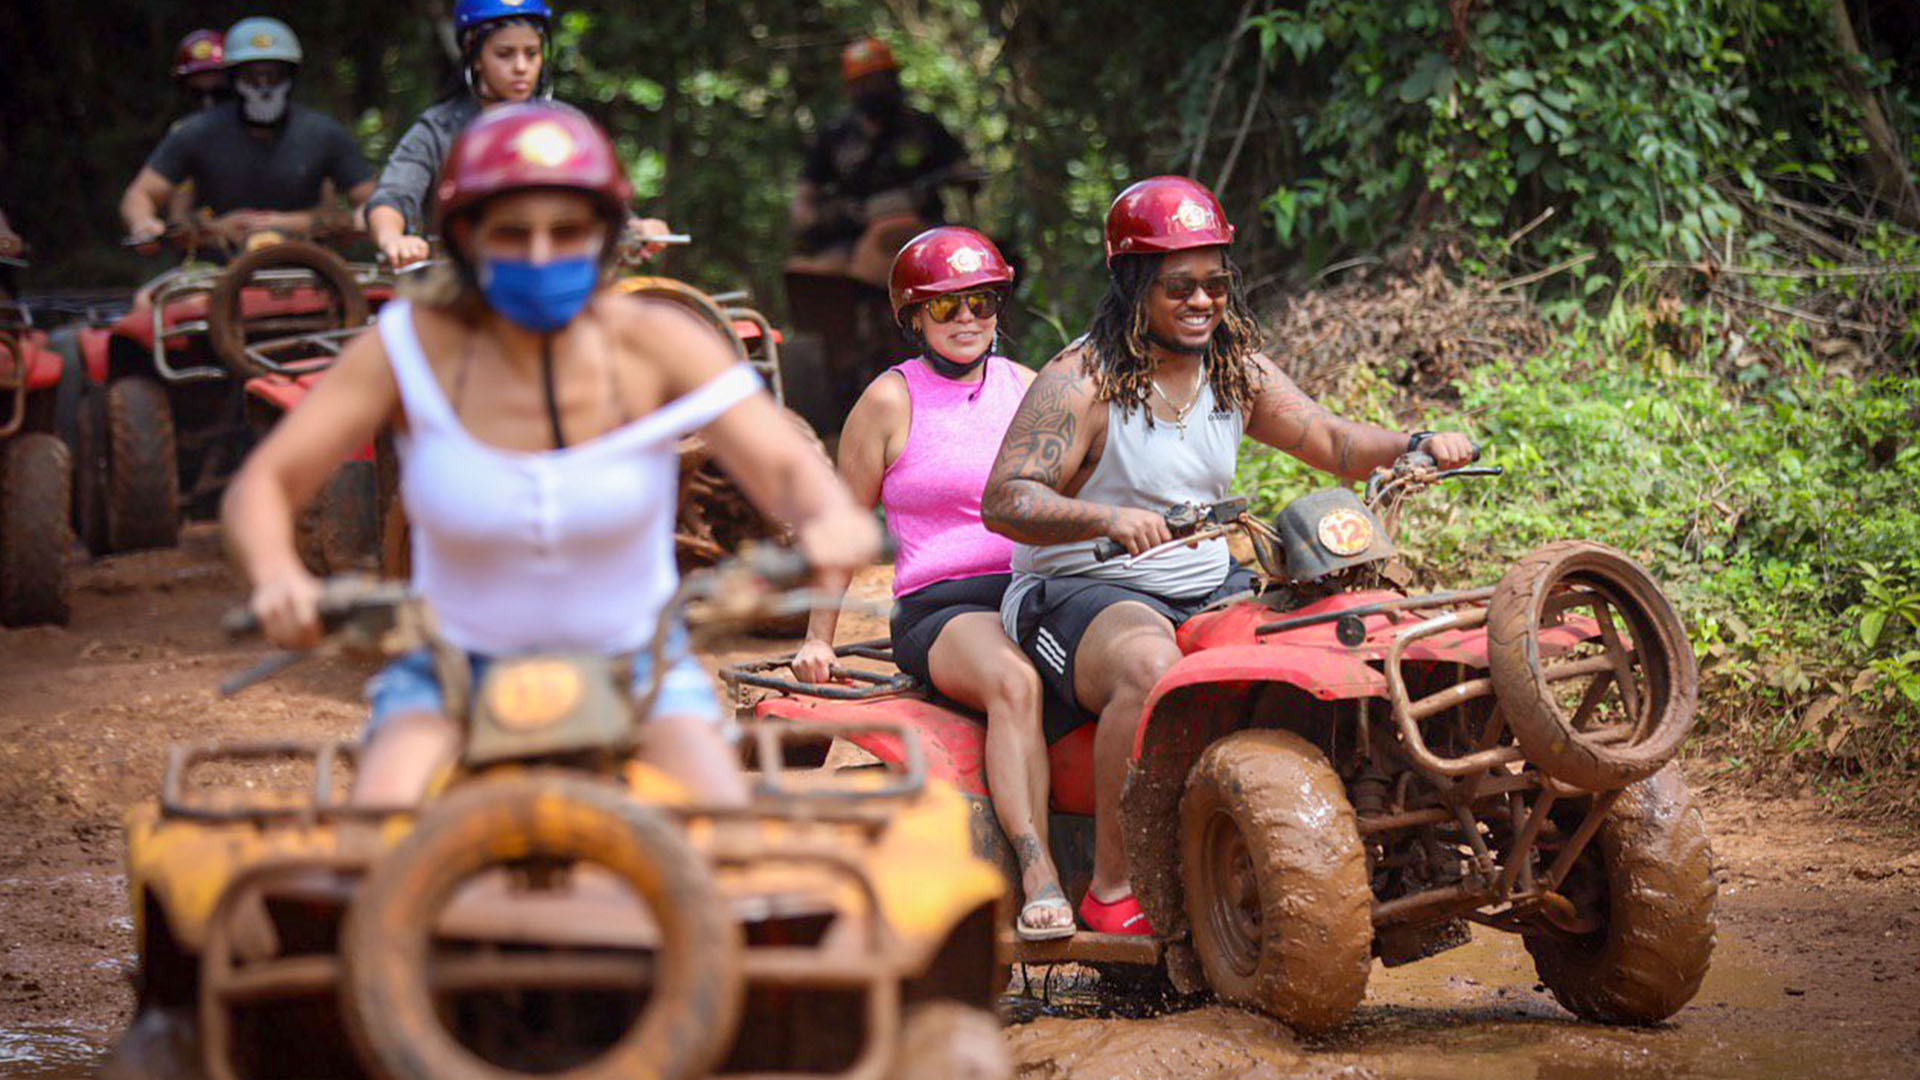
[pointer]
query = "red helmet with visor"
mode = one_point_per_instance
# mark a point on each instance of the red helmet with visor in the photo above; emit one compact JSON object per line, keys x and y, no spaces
{"x":198,"y":52}
{"x":1165,"y":213}
{"x":532,"y":146}
{"x":948,"y":259}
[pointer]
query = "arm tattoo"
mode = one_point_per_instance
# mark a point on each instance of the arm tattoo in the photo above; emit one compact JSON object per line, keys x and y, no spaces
{"x":1284,"y":411}
{"x":1023,"y":501}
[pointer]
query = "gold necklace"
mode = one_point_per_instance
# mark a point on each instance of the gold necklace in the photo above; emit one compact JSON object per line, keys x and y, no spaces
{"x":1180,"y":412}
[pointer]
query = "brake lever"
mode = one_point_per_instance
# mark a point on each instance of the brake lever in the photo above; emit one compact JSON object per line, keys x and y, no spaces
{"x":262,"y":671}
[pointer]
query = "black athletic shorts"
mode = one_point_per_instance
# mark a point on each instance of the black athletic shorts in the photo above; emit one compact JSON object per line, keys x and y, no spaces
{"x":1055,"y":614}
{"x":919,"y":616}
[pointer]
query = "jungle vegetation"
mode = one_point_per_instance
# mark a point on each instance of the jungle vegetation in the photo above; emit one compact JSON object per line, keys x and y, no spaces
{"x":1706,"y":208}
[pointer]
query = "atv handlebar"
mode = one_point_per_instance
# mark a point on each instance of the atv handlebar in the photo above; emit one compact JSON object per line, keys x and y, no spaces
{"x":385,"y":618}
{"x":1186,"y":521}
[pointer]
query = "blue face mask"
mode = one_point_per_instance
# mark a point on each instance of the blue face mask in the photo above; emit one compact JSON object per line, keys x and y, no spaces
{"x":540,"y":298}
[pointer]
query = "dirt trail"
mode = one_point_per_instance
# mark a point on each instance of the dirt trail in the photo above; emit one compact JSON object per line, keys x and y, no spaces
{"x":1817,"y":972}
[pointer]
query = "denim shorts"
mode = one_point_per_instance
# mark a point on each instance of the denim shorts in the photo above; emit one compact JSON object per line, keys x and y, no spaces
{"x":409,"y":684}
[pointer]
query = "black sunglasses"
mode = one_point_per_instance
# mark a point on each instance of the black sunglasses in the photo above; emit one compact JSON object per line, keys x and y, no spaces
{"x":1181,"y":287}
{"x":946,"y":307}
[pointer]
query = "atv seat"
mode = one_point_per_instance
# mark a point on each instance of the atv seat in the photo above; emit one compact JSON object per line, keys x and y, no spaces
{"x":955,"y":741}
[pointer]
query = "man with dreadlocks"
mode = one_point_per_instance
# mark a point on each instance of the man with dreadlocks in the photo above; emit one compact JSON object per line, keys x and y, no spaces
{"x":1145,"y":412}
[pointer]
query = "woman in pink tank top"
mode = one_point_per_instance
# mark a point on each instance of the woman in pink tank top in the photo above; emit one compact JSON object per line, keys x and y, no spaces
{"x":919,"y":443}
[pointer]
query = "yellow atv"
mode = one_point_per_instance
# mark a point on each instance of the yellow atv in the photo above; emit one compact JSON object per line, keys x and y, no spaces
{"x":554,"y":905}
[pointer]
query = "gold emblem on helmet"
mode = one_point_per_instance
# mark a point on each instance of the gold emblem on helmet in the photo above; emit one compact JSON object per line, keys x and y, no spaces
{"x":1346,"y":532}
{"x":966,"y":260}
{"x":201,"y":50}
{"x":546,"y":144}
{"x":262,"y":40}
{"x":534,"y":693}
{"x":1193,"y":217}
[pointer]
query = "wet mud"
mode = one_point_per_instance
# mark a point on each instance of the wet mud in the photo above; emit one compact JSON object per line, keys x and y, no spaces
{"x":1816,"y":971}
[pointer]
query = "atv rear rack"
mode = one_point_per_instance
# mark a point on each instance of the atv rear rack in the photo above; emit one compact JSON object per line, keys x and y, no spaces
{"x":875,"y":684}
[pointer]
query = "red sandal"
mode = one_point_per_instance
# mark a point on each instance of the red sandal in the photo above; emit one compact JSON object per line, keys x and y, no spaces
{"x":1122,"y":916}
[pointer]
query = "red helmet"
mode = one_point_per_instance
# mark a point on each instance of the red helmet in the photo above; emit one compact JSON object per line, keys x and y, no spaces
{"x":202,"y":50}
{"x":864,"y":57}
{"x":1165,"y":213}
{"x":944,"y":260}
{"x":533,"y":145}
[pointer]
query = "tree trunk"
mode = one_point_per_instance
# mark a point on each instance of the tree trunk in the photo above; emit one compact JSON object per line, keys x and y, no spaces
{"x":1886,"y":159}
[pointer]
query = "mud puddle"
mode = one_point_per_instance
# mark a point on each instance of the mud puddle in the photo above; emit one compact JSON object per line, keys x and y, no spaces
{"x":1476,"y":1012}
{"x":50,"y":1053}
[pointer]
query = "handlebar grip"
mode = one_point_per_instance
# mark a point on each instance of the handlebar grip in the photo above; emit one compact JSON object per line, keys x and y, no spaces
{"x":1107,"y":549}
{"x":240,"y":622}
{"x":780,"y":567}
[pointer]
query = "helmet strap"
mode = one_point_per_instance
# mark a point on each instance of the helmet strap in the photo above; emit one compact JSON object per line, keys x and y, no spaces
{"x":477,"y":40}
{"x":547,"y":390}
{"x":954,"y":371}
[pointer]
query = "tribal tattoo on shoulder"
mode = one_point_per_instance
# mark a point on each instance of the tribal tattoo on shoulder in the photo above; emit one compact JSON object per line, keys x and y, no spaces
{"x":1023,"y":499}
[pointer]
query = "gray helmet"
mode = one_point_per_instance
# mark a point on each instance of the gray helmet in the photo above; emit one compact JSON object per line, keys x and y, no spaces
{"x":260,"y":38}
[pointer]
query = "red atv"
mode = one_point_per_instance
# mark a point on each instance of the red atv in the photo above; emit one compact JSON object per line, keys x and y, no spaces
{"x":1337,"y":771}
{"x":35,"y":473}
{"x":170,"y":424}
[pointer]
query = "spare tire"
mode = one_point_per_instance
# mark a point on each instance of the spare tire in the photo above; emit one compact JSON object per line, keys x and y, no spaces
{"x":396,"y":1018}
{"x":227,"y":323}
{"x":1654,"y":679}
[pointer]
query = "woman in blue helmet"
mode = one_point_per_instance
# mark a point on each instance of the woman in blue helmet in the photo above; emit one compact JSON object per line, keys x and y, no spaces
{"x":503,"y":61}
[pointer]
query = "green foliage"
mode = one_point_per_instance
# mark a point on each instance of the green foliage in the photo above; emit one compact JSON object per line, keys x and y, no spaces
{"x":1777,"y":506}
{"x":1631,"y":119}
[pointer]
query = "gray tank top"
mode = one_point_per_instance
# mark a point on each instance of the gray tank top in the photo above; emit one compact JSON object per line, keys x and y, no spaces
{"x":1151,"y":466}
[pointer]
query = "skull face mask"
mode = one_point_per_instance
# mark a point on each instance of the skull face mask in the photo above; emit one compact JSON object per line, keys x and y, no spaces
{"x":264,"y":104}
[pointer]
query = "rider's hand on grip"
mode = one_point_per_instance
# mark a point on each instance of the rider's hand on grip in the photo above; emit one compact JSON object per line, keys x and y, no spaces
{"x":1450,"y":450}
{"x":1137,"y":530}
{"x":287,"y":609}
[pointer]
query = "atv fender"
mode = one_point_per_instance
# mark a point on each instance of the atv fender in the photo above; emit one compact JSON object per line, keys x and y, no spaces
{"x":1205,"y":683}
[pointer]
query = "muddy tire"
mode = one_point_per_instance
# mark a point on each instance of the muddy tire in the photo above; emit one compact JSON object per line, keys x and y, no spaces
{"x":945,"y":1040}
{"x":1276,"y":879}
{"x":1655,"y":873}
{"x":227,"y":323}
{"x":90,"y":470}
{"x":1666,"y":677}
{"x":339,"y":531}
{"x":162,"y":1043}
{"x":390,"y":1008}
{"x":36,"y":486}
{"x":143,"y":483}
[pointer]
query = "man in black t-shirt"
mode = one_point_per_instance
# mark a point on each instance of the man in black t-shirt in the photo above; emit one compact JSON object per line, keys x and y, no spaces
{"x":873,"y":174}
{"x":258,"y":162}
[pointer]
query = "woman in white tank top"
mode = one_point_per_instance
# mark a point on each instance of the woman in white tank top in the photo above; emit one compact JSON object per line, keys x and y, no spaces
{"x":536,"y":416}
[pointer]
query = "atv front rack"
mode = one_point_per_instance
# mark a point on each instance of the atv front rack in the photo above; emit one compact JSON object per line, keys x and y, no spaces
{"x":248,"y":962}
{"x":321,"y":801}
{"x":198,"y":279}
